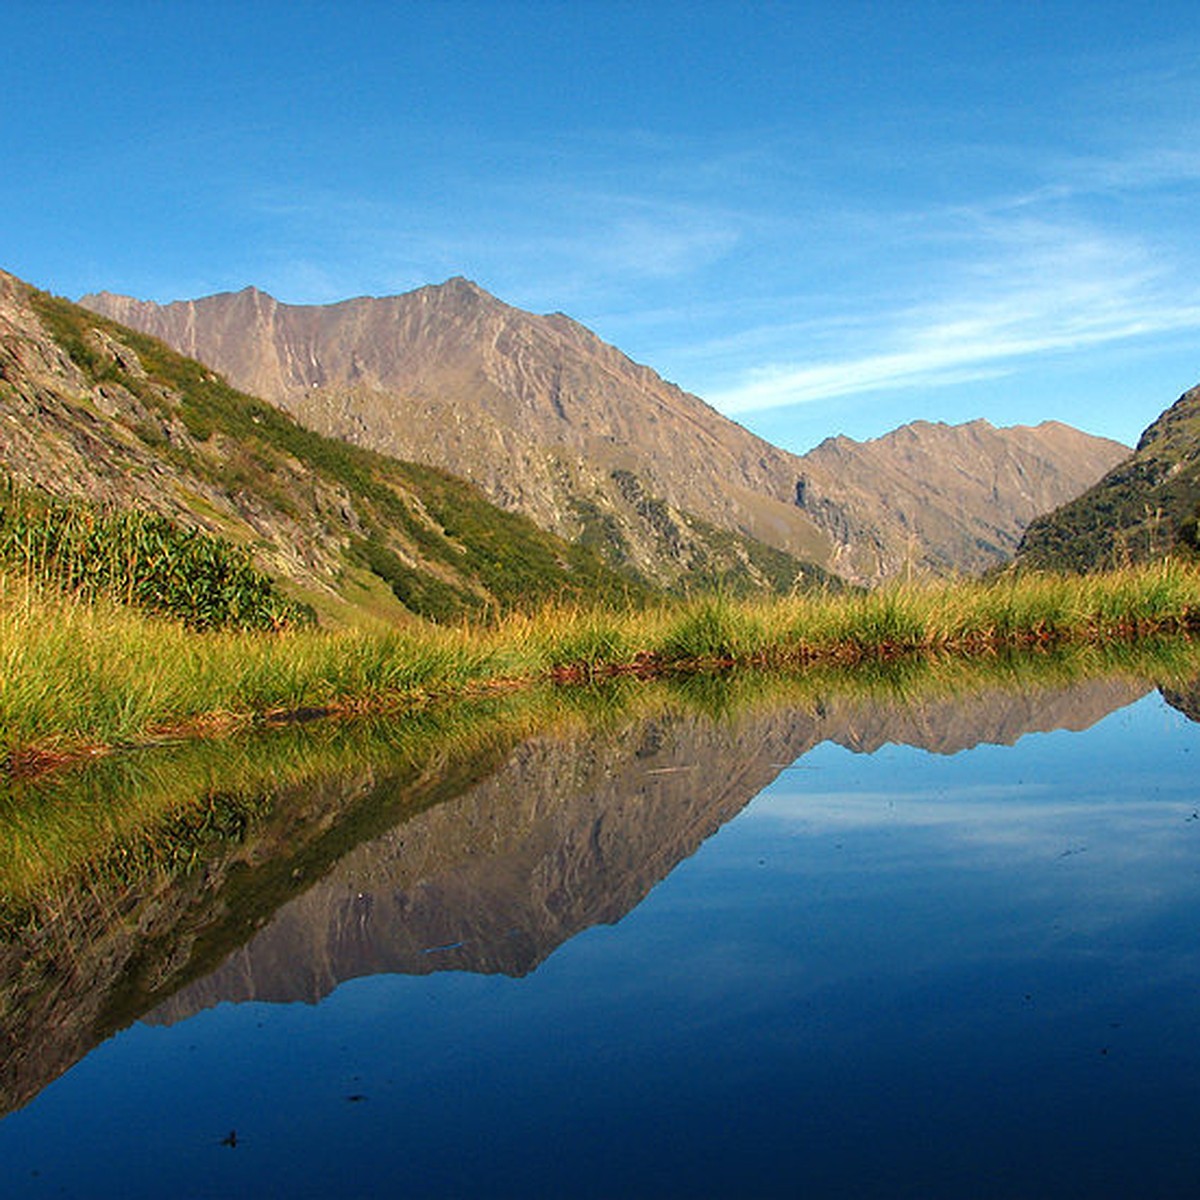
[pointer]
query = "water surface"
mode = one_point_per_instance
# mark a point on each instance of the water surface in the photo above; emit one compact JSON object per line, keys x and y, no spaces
{"x":841,"y":948}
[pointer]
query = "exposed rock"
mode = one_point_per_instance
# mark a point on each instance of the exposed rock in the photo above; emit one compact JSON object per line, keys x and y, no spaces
{"x":546,"y":418}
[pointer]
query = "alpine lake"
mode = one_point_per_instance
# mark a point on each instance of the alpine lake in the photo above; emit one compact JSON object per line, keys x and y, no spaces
{"x":929,"y":930}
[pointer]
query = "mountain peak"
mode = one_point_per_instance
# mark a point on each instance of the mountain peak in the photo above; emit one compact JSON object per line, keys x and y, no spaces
{"x":460,"y":287}
{"x":548,"y":419}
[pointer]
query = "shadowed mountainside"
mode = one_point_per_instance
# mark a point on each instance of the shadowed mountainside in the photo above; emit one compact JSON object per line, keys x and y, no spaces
{"x":551,"y":421}
{"x":1145,"y":507}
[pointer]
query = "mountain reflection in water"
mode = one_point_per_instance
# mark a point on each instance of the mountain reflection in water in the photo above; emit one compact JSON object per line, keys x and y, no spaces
{"x":569,"y":834}
{"x":481,"y":853}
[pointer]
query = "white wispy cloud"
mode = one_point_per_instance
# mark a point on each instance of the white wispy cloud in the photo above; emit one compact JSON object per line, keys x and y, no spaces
{"x":1029,"y":287}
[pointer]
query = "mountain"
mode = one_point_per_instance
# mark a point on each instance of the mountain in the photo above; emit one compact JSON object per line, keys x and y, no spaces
{"x":537,"y":411}
{"x":944,"y":497}
{"x":92,"y":411}
{"x":553,"y":422}
{"x":89,"y":408}
{"x":1145,"y":507}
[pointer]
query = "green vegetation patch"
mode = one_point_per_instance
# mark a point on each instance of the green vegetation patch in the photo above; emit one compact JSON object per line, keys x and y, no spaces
{"x":1143,"y":509}
{"x":419,"y":591}
{"x":140,"y":559}
{"x":502,"y":561}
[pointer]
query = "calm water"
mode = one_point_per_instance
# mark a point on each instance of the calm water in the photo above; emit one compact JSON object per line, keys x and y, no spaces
{"x":841,"y":952}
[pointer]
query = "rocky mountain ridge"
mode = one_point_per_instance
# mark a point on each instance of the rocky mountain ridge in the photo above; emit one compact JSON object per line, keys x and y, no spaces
{"x":951,"y":498}
{"x":553,"y":422}
{"x":90,"y":411}
{"x":533,"y":410}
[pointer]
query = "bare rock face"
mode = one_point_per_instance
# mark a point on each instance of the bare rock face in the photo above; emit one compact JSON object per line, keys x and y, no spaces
{"x":944,"y":497}
{"x":553,"y":422}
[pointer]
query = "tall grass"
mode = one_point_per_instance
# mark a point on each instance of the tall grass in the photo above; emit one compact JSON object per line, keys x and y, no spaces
{"x":126,"y":817}
{"x":73,"y":674}
{"x":962,"y":617}
{"x":139,"y":558}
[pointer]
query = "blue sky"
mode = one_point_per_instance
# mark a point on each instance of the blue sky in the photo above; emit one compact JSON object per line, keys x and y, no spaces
{"x":822,"y":218}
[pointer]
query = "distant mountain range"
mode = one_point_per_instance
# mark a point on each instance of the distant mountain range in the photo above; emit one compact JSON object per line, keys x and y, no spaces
{"x":552,"y":422}
{"x":1145,"y":507}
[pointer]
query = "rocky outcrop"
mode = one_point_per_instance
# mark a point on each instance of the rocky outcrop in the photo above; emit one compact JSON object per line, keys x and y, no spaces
{"x":548,"y":420}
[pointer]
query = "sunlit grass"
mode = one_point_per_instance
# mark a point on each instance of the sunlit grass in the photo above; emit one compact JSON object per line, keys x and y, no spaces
{"x":75,"y":674}
{"x":128,"y":816}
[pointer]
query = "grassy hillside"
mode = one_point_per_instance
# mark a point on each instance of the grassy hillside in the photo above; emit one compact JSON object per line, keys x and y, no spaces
{"x":348,"y":529}
{"x":99,"y":674}
{"x":92,"y":410}
{"x":1143,"y":509}
{"x":140,"y":559}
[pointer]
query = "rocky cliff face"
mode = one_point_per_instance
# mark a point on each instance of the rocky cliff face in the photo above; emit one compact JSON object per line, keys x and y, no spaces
{"x":551,"y":421}
{"x":944,"y":497}
{"x":1145,"y":507}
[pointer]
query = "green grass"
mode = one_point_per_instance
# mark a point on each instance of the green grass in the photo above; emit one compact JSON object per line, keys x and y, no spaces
{"x":158,"y":811}
{"x":74,"y":674}
{"x":139,"y":558}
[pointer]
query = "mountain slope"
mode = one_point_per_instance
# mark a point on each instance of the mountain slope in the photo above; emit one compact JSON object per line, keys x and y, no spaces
{"x":89,"y":410}
{"x":551,"y":421}
{"x":945,"y":497}
{"x":546,"y":418}
{"x":1145,"y":507}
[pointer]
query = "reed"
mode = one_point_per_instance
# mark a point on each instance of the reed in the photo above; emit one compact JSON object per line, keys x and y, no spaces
{"x":141,"y":559}
{"x":157,"y":812}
